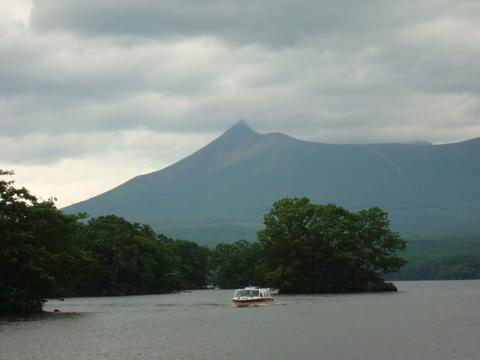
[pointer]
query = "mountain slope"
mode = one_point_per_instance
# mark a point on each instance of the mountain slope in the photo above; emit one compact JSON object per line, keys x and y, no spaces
{"x":220,"y":192}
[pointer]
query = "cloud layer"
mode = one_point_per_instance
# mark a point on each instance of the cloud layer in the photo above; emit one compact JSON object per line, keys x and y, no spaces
{"x":85,"y":81}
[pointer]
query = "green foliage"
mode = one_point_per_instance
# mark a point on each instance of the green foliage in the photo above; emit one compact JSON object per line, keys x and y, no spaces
{"x":453,"y":267}
{"x":440,"y":259}
{"x":193,"y":262}
{"x":325,"y":248}
{"x":45,"y":253}
{"x":237,"y":265}
{"x":36,"y":242}
{"x":312,"y":248}
{"x":122,"y":258}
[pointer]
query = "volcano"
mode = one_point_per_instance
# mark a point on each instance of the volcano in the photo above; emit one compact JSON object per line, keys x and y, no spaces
{"x":221,"y":192}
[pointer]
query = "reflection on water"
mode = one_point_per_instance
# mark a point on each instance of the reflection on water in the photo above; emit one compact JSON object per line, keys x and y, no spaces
{"x":425,"y":320}
{"x":46,"y":316}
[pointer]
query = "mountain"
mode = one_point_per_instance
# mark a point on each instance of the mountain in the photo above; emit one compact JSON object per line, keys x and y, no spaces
{"x":221,"y":192}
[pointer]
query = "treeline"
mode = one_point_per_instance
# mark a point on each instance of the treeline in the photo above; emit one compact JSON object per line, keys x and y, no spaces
{"x":443,"y":258}
{"x":454,"y":267}
{"x":112,"y":256}
{"x":304,"y":248}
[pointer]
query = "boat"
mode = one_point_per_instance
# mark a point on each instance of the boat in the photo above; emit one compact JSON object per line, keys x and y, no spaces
{"x":251,"y":296}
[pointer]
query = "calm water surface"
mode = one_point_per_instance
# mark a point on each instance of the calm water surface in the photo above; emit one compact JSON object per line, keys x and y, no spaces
{"x":424,"y":320}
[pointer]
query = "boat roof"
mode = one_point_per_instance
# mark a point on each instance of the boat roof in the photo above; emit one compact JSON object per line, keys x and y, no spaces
{"x":252,"y":288}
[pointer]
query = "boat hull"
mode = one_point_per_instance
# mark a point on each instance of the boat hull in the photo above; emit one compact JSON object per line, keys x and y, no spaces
{"x":251,"y":302}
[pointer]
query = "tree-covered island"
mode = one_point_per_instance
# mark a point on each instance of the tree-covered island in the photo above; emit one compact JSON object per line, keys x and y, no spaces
{"x":313,"y":248}
{"x":304,"y":248}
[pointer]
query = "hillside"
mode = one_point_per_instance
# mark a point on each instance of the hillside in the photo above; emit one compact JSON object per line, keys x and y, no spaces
{"x":220,"y":192}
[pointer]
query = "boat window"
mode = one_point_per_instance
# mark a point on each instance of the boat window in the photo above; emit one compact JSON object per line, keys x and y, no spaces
{"x":245,"y":292}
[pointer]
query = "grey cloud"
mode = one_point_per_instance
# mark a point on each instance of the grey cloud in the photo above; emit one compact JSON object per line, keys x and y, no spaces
{"x":267,"y":22}
{"x":371,"y":65}
{"x":250,"y":21}
{"x":95,"y":70}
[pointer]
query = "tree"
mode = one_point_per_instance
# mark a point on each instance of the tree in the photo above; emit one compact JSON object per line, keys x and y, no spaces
{"x":35,"y":240}
{"x":193,"y":262}
{"x":326,"y":248}
{"x":285,"y":243}
{"x":237,"y":265}
{"x":127,"y":258}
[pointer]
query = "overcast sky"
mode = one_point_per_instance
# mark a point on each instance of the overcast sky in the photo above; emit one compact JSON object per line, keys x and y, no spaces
{"x":94,"y":92}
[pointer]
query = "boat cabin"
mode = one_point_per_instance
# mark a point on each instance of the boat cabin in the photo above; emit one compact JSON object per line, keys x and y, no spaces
{"x":250,"y":292}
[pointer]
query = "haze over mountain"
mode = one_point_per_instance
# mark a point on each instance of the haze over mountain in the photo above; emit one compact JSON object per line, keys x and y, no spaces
{"x":221,"y":192}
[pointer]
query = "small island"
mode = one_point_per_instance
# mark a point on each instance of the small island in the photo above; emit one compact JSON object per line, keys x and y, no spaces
{"x":303,"y":248}
{"x":310,"y":248}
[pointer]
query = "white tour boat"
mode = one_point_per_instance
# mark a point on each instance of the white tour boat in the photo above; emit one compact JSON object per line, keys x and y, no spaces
{"x":251,"y":296}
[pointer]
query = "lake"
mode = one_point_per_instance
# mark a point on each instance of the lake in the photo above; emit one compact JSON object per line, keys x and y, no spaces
{"x":424,"y":320}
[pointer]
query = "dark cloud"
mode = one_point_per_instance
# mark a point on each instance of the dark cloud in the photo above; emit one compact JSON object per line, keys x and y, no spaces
{"x":250,"y":21}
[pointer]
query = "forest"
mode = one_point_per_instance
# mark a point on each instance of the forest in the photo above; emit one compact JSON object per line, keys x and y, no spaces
{"x":303,"y":248}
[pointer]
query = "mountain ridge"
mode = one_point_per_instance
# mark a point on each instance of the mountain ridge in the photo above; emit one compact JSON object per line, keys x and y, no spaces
{"x":220,"y":192}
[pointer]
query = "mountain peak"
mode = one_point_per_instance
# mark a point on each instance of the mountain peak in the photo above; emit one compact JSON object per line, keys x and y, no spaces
{"x":241,"y":128}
